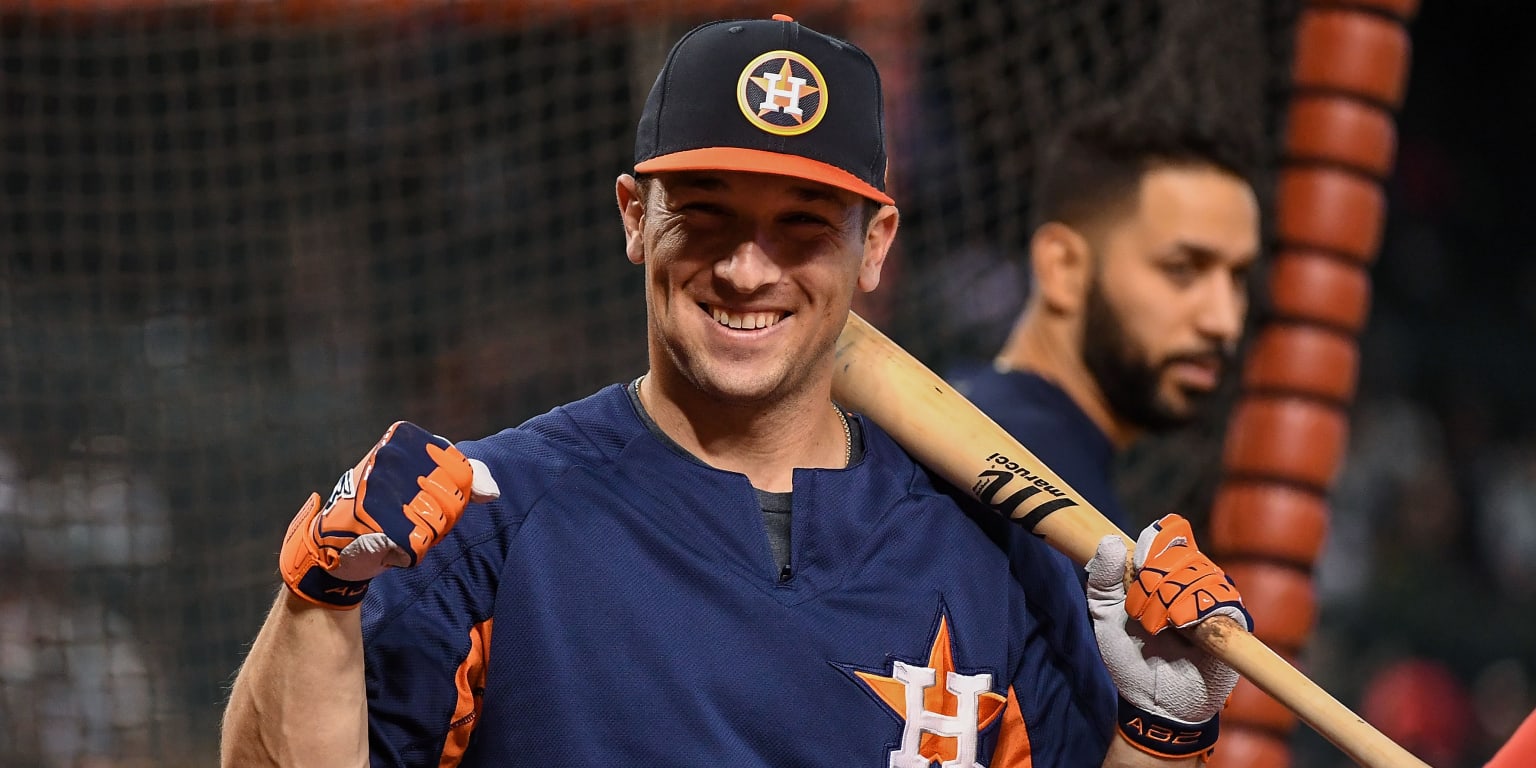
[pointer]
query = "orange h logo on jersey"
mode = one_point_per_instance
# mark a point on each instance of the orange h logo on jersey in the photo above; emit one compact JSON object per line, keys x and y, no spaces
{"x":943,"y":719}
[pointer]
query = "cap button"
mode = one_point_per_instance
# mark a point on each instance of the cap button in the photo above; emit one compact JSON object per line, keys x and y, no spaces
{"x":783,"y":17}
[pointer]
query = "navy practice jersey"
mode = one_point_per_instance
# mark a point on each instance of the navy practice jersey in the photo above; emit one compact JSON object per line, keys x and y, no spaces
{"x":1046,"y":421}
{"x":620,"y":605}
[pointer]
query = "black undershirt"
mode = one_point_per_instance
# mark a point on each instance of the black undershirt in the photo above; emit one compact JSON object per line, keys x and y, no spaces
{"x":776,"y":506}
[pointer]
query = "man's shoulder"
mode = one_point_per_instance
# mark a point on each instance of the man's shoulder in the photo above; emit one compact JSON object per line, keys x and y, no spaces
{"x":1045,"y":419}
{"x":529,"y":462}
{"x":586,"y":431}
{"x":1015,"y":398}
{"x":888,"y":464}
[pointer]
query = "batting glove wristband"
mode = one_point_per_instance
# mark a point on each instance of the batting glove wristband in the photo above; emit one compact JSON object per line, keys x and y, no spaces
{"x":401,"y":499}
{"x":1170,"y":690}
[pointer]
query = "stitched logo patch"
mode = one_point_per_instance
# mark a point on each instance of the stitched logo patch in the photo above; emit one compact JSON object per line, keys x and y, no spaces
{"x":782,"y":92}
{"x":942,"y":709}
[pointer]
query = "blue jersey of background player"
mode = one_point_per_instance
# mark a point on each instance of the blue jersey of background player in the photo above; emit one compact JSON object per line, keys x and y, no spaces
{"x":614,"y":583}
{"x":1145,"y":228}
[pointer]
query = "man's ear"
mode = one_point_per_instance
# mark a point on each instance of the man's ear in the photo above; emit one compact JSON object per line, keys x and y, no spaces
{"x":631,"y":196}
{"x":1061,"y":267}
{"x":877,"y":245}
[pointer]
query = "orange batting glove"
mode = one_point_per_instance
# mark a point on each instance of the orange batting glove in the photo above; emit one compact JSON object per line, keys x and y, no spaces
{"x":1176,"y":584}
{"x":401,"y":499}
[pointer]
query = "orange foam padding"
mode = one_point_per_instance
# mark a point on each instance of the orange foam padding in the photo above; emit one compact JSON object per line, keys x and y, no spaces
{"x":1338,"y":129}
{"x":1330,"y":209}
{"x":1258,"y":519}
{"x":1252,"y":708}
{"x":1281,"y":599}
{"x":1352,"y":52}
{"x":1304,"y":359}
{"x":1307,"y":285}
{"x":1248,"y":748}
{"x":1283,"y":438}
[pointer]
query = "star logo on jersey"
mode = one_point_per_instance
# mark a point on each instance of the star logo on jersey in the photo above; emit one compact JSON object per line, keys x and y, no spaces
{"x":782,"y":92}
{"x":943,"y":710}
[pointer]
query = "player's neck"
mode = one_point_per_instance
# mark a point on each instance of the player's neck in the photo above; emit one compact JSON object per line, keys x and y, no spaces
{"x":765,"y":443}
{"x":1045,"y":346}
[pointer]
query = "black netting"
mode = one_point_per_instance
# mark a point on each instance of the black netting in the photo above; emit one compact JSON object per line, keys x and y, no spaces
{"x":238,"y":243}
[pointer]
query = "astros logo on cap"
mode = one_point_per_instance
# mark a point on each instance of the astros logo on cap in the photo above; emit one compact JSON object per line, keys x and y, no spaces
{"x":782,"y":93}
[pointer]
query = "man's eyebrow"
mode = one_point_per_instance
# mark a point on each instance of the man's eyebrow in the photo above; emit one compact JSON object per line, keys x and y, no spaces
{"x":1208,"y":255}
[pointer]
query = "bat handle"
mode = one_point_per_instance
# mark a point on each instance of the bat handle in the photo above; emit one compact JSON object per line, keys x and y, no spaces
{"x":1225,"y":639}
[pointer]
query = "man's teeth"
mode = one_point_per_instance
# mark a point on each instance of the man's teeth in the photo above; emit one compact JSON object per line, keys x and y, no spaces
{"x":747,"y":320}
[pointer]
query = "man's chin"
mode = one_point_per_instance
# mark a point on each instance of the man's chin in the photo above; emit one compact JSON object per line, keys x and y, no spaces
{"x":1182,"y":410}
{"x":737,"y":384}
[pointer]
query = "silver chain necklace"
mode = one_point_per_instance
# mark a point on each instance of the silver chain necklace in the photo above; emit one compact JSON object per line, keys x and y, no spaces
{"x":847,"y":436}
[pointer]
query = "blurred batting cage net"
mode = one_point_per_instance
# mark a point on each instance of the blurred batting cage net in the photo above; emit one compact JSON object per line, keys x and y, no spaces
{"x":241,"y":238}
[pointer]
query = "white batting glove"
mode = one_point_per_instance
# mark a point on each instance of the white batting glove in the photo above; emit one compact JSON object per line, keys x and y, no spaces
{"x":1170,"y":689}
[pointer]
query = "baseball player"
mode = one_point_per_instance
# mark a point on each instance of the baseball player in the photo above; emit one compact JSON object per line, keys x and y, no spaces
{"x":714,"y":564}
{"x":1145,"y":229}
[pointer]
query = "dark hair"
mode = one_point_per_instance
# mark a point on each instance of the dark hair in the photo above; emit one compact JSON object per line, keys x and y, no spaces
{"x":1095,"y":163}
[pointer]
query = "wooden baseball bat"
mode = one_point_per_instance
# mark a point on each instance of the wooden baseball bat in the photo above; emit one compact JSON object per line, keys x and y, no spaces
{"x":952,"y":437}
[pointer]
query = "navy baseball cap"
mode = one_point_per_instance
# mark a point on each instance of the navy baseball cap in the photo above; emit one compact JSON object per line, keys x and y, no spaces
{"x":767,"y":97}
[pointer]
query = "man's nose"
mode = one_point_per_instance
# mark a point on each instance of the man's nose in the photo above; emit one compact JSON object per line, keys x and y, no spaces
{"x":749,"y":266}
{"x":1223,"y":308}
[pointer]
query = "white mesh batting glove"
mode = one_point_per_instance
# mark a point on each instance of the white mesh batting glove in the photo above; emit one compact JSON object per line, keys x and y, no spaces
{"x":1170,"y":689}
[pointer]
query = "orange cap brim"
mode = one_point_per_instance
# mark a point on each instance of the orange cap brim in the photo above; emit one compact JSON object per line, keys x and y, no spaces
{"x":760,"y":161}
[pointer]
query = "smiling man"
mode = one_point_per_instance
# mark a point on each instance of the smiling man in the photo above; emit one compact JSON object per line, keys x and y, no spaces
{"x":750,"y":279}
{"x":713,"y":563}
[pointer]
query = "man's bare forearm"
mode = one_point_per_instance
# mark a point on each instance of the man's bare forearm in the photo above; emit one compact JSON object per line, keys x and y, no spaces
{"x":299,"y":699}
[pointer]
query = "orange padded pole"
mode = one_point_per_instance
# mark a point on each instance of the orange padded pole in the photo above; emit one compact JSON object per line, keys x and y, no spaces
{"x":1285,"y":442}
